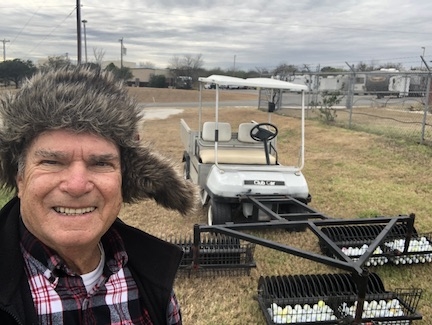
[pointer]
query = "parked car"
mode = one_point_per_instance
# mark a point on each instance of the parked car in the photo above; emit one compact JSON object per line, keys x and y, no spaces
{"x":210,"y":86}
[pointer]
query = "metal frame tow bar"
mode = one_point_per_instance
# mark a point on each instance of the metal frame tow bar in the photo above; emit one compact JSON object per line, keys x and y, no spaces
{"x":373,"y":238}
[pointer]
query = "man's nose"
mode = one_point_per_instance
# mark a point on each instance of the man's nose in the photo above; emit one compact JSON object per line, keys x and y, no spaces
{"x":77,"y":180}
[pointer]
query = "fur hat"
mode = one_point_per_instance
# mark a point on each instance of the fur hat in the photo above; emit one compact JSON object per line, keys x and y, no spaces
{"x":88,"y":100}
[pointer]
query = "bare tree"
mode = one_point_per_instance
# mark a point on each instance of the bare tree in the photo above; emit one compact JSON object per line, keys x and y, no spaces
{"x":56,"y":62}
{"x":391,"y":65}
{"x":284,"y":70}
{"x":147,"y":65}
{"x":175,"y":64}
{"x":99,"y":55}
{"x":188,"y":65}
{"x":195,"y":63}
{"x":362,"y":66}
{"x":262,"y":71}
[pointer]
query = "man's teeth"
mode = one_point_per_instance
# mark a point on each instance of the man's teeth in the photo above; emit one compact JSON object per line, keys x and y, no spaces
{"x":74,"y":211}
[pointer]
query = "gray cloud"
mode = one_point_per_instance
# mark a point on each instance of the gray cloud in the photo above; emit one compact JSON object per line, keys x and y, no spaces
{"x":258,"y":33}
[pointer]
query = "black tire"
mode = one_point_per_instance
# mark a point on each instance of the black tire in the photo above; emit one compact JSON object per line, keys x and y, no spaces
{"x":186,"y":166}
{"x":186,"y":172}
{"x":218,"y":213}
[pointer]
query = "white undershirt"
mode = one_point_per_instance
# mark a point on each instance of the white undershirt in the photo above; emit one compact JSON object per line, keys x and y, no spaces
{"x":91,"y":279}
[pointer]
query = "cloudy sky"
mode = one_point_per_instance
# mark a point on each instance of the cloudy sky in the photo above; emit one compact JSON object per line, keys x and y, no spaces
{"x":242,"y":34}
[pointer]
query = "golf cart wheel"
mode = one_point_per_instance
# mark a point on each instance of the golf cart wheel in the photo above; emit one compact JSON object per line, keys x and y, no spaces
{"x":218,"y":213}
{"x":186,"y":166}
{"x":186,"y":173}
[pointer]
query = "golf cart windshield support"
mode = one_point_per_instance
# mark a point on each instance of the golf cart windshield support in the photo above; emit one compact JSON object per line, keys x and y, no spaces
{"x":257,"y":83}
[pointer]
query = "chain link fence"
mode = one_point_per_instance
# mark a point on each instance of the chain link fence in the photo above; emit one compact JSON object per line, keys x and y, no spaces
{"x":389,"y":103}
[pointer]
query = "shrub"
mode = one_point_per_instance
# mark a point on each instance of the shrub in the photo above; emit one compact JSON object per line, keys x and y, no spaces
{"x":326,"y":111}
{"x":157,"y":81}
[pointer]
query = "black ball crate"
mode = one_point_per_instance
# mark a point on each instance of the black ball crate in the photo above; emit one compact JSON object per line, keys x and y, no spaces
{"x":354,"y":240}
{"x":215,"y":255}
{"x":332,"y":299}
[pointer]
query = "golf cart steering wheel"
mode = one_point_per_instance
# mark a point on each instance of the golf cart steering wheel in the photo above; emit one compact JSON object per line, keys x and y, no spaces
{"x":264,"y":132}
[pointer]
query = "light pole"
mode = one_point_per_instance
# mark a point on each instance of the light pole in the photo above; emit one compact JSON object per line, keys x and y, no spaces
{"x":4,"y":48}
{"x":121,"y":52}
{"x":78,"y":22}
{"x":85,"y":38}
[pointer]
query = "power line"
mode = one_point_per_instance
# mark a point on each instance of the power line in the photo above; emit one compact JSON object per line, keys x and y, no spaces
{"x":28,"y":21}
{"x":52,"y":31}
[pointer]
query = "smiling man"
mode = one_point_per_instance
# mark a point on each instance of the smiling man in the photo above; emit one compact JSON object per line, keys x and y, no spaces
{"x":69,"y":150}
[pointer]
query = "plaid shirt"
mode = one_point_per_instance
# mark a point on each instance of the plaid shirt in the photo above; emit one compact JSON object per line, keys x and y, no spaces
{"x":60,"y":297}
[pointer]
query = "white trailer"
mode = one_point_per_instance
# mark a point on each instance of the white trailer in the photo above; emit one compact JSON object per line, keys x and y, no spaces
{"x":333,"y":83}
{"x":399,"y":85}
{"x":229,"y":166}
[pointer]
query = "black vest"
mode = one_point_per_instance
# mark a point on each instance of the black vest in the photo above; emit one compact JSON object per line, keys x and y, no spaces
{"x":152,"y":262}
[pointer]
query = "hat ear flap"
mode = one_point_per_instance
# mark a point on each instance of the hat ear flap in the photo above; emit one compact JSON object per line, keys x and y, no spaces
{"x":148,"y":175}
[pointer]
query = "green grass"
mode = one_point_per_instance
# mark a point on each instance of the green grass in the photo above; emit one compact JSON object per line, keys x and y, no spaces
{"x":4,"y":197}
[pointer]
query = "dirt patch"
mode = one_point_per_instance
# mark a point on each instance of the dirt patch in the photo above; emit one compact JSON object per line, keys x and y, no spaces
{"x":159,"y":113}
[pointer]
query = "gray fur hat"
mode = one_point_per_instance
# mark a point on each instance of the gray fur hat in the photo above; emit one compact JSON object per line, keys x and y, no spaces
{"x":88,"y":100}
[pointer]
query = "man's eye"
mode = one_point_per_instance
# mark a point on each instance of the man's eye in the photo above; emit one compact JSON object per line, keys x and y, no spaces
{"x":49,"y":162}
{"x":102,"y":164}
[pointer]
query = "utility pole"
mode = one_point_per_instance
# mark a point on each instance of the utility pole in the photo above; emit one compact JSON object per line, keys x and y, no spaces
{"x":121,"y":52}
{"x":4,"y":48}
{"x":78,"y":17}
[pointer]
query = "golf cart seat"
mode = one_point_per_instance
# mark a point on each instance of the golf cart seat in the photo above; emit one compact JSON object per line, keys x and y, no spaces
{"x":231,"y":151}
{"x":244,"y":133}
{"x":208,"y":132}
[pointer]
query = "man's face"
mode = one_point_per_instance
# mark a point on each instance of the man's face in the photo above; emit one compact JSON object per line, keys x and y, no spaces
{"x":70,"y":188}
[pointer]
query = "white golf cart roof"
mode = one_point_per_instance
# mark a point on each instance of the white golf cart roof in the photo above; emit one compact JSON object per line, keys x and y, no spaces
{"x":265,"y":83}
{"x":253,"y":82}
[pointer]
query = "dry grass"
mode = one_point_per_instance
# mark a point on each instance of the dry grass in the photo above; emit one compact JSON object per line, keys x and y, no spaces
{"x":350,"y":174}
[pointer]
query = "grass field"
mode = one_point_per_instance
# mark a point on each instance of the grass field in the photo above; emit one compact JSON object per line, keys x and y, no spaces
{"x":350,"y":175}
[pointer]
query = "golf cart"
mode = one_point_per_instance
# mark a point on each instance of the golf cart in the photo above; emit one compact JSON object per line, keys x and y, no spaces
{"x":237,"y":168}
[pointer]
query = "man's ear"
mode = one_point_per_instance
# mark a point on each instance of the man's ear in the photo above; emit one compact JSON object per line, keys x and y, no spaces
{"x":19,"y":182}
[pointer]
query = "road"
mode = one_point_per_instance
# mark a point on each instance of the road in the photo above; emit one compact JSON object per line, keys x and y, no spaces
{"x":294,"y":99}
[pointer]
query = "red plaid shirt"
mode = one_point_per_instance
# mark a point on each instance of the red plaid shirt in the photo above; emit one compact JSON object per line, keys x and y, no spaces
{"x":60,"y":296}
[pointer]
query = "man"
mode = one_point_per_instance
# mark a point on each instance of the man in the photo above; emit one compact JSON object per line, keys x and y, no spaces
{"x":69,"y":150}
